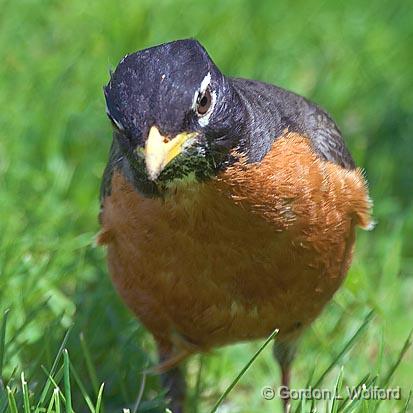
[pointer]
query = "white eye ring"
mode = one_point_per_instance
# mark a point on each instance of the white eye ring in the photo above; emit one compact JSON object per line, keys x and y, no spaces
{"x":200,"y":94}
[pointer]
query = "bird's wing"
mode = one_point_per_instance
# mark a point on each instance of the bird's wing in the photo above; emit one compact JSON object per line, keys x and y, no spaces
{"x":325,"y":136}
{"x":115,"y":158}
{"x":272,"y":110}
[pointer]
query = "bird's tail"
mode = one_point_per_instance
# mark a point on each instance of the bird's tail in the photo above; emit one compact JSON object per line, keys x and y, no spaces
{"x":360,"y":203}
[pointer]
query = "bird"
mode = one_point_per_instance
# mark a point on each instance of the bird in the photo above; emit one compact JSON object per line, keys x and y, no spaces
{"x":229,"y":207}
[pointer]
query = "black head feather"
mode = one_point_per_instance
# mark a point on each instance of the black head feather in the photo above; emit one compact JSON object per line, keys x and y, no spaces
{"x":159,"y":87}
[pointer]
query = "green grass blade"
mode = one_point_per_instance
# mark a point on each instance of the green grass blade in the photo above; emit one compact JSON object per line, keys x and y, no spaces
{"x":302,"y":405}
{"x":243,"y":370}
{"x":4,"y":394}
{"x":54,"y":382}
{"x":66,"y":381}
{"x":140,"y":394}
{"x":406,"y":406}
{"x":3,"y":399}
{"x":82,"y":388}
{"x":26,"y":400}
{"x":3,"y":340}
{"x":99,"y":399}
{"x":89,"y":364}
{"x":358,"y":401}
{"x":344,"y":402}
{"x":345,"y":349}
{"x":337,"y":391}
{"x":52,"y":370}
{"x":393,"y":368}
{"x":12,"y":401}
{"x":56,"y":396}
{"x":51,"y":405}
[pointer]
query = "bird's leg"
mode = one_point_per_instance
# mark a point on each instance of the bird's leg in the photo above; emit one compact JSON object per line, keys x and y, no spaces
{"x":173,"y":381}
{"x":284,"y":352}
{"x":285,"y":382}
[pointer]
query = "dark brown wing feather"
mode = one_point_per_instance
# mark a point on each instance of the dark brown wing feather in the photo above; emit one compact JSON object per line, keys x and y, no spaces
{"x":271,"y":110}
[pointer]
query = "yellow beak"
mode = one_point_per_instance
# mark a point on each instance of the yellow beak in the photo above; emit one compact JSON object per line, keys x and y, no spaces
{"x":159,"y":150}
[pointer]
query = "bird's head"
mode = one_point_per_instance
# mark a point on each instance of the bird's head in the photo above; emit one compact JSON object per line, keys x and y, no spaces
{"x":174,"y":114}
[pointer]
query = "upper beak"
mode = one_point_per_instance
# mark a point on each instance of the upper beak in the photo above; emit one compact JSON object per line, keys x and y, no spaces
{"x":160,"y":150}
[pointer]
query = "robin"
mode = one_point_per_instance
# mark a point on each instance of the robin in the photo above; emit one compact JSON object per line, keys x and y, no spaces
{"x":228,"y":206}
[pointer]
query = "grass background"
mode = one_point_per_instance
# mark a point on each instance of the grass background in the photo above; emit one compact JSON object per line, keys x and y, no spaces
{"x":354,"y":58}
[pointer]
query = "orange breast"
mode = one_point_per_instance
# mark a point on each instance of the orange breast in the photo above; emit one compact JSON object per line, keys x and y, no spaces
{"x":263,"y":246}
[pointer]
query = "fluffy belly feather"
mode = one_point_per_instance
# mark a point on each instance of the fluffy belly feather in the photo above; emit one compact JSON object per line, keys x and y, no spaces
{"x":260,"y":247}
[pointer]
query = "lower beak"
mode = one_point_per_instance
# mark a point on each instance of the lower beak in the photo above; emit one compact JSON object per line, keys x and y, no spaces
{"x":159,"y":150}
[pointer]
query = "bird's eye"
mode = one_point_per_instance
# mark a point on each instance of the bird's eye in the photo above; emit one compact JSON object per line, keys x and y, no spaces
{"x":204,"y":101}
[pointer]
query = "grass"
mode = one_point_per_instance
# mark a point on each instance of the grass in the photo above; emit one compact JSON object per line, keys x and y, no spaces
{"x":52,"y":397}
{"x":354,"y":59}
